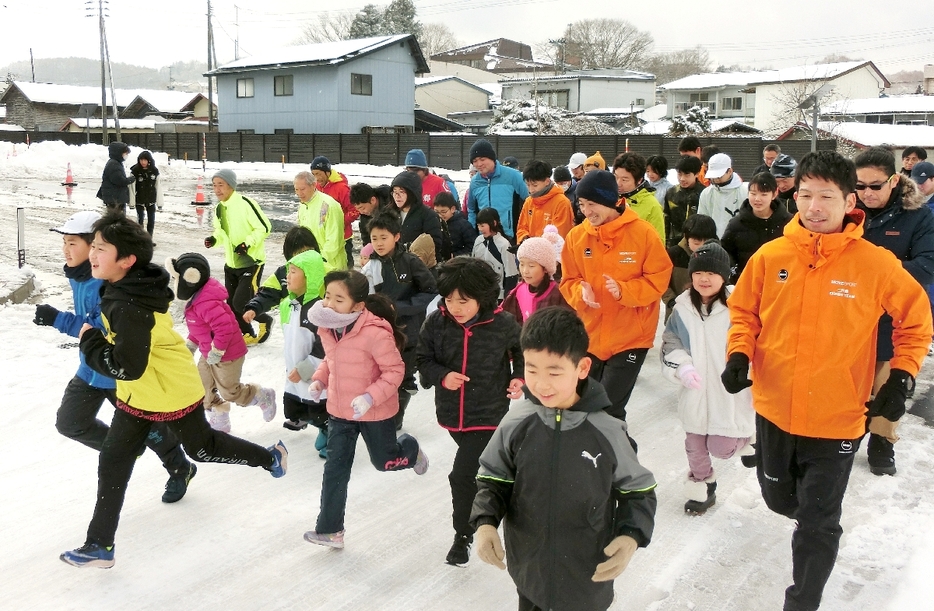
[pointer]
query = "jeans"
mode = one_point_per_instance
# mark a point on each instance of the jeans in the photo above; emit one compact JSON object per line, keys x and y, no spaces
{"x":386,"y":453}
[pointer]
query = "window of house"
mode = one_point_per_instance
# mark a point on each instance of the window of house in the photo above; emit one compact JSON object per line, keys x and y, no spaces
{"x":361,"y":84}
{"x":700,"y":97}
{"x":244,"y":88}
{"x":640,"y":101}
{"x":246,"y":132}
{"x":732,"y":103}
{"x":283,"y":85}
{"x":554,"y":98}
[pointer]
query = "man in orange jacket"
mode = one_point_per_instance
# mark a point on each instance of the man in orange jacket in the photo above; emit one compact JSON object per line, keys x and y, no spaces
{"x":615,"y":270}
{"x":804,"y":314}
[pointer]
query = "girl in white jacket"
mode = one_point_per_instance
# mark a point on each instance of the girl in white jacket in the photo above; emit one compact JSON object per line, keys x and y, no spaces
{"x":694,"y":354}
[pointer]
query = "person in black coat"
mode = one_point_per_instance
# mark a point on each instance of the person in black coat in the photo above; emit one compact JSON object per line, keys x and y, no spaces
{"x":146,"y":175}
{"x":682,"y":199}
{"x":416,"y":217}
{"x":368,"y":201}
{"x":760,"y":219}
{"x":458,"y":235}
{"x":897,"y":220}
{"x":468,"y":349}
{"x":115,"y":184}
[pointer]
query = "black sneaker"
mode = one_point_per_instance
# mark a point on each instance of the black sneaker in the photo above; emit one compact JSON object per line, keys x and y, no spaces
{"x":696,"y":508}
{"x":177,"y":485}
{"x":749,"y":460}
{"x":295,"y":425}
{"x":264,"y":329}
{"x":459,"y":553}
{"x":882,"y":465}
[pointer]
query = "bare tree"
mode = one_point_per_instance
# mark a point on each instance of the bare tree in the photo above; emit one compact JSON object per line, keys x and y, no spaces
{"x":787,"y":100}
{"x":605,"y":43}
{"x":437,"y":37}
{"x":668,"y":67}
{"x":330,"y":26}
{"x":835,"y":58}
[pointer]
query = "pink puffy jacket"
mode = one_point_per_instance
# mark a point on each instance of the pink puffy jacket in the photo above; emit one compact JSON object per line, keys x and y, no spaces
{"x":364,"y":360}
{"x":211,"y":321}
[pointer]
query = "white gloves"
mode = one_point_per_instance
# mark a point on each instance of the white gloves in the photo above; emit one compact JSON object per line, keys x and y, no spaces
{"x":315,"y":389}
{"x":361,"y":405}
{"x":689,"y":377}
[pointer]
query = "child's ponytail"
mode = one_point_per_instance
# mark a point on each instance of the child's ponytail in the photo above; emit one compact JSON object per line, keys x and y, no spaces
{"x":381,"y":306}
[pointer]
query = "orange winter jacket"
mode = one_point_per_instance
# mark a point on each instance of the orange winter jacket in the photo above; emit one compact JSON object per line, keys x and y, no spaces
{"x":805,"y":311}
{"x":552,"y":208}
{"x":628,"y":250}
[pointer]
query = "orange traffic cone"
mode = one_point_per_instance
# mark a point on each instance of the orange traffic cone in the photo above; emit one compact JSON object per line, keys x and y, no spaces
{"x":69,"y":178}
{"x":199,"y":193}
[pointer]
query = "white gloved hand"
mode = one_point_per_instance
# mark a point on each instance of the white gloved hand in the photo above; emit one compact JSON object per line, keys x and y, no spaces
{"x":214,"y":356}
{"x":361,"y":405}
{"x":315,"y":389}
{"x":689,"y":377}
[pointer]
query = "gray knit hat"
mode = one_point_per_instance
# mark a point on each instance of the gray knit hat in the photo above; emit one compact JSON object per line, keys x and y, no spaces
{"x":710,"y":258}
{"x":227,"y":176}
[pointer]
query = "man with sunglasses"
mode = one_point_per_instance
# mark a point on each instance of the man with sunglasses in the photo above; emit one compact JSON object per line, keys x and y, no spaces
{"x":897,"y":220}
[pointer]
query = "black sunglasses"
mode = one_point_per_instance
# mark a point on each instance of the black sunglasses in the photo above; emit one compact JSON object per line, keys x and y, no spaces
{"x":862,"y":187}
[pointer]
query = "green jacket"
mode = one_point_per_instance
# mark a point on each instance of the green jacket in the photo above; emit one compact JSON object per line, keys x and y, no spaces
{"x":644,"y":204}
{"x":239,"y":220}
{"x":324,"y":217}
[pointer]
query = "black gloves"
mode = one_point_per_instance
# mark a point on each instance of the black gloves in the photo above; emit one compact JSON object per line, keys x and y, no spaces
{"x":735,"y":376}
{"x":241,"y":248}
{"x":45,"y":315}
{"x":210,"y":241}
{"x":890,"y":400}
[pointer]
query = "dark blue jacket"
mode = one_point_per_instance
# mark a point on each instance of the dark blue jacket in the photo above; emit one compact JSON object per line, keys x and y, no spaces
{"x":905,"y":227}
{"x":502,"y":190}
{"x":410,"y":286}
{"x":463,"y":235}
{"x":114,"y":181}
{"x":746,"y":233}
{"x":86,"y":293}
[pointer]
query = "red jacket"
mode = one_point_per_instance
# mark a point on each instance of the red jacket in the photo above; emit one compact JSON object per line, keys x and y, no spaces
{"x":433,"y":184}
{"x":338,"y":188}
{"x":805,"y":311}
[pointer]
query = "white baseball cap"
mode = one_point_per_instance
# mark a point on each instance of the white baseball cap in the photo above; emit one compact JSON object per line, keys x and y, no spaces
{"x":79,"y":223}
{"x":718,"y":165}
{"x":577,"y":160}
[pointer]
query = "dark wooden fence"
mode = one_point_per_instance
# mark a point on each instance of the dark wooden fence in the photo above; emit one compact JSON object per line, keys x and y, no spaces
{"x":444,"y":151}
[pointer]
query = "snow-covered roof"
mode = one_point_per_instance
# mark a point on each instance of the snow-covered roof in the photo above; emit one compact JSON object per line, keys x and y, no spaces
{"x":613,"y":75}
{"x":163,"y":100}
{"x":818,"y":72}
{"x":7,"y":127}
{"x":622,"y":110}
{"x":423,"y":81}
{"x":325,"y":53}
{"x":893,"y":104}
{"x":124,"y":123}
{"x":874,"y":134}
{"x":663,"y":126}
{"x":75,"y":95}
{"x":655,"y":113}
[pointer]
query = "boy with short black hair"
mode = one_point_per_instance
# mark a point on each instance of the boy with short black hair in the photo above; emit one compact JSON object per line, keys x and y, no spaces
{"x":682,"y":199}
{"x":560,"y":439}
{"x":86,"y":392}
{"x":408,"y":283}
{"x":546,"y":204}
{"x":457,"y":234}
{"x":140,"y":349}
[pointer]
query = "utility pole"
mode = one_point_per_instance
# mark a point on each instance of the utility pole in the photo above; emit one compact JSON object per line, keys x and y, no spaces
{"x":32,"y":64}
{"x":113,"y":91}
{"x":237,"y":39}
{"x":210,"y":68}
{"x":105,"y":140}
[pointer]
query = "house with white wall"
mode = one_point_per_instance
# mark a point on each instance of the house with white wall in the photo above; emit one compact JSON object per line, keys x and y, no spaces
{"x":443,"y":95}
{"x":762,"y":99}
{"x":342,"y":87}
{"x":889,"y":110}
{"x":585,"y":90}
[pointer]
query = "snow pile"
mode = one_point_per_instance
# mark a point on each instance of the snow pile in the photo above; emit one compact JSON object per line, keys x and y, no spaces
{"x":522,"y":117}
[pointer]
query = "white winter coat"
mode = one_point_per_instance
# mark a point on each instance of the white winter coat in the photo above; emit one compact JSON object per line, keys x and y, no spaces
{"x":722,"y":203}
{"x":690,"y":340}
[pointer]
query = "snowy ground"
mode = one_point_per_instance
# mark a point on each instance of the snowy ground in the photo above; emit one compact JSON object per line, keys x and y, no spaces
{"x":235,"y":541}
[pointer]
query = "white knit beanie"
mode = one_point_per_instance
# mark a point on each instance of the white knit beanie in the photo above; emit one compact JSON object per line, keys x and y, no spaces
{"x":541,"y":251}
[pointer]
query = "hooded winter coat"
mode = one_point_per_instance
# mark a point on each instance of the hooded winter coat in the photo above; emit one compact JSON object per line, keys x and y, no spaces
{"x":139,"y":346}
{"x":552,"y":208}
{"x":364,"y":360}
{"x":483,"y":352}
{"x":86,"y":295}
{"x":419,"y":218}
{"x":690,"y":339}
{"x":503,"y":190}
{"x":322,"y":215}
{"x":240,"y":220}
{"x":338,"y":189}
{"x":211,"y":322}
{"x":722,"y":203}
{"x":628,"y":250}
{"x":746,"y":233}
{"x":679,"y":205}
{"x":567,"y":482}
{"x":644,"y":204}
{"x":407,"y":282}
{"x":148,"y":188}
{"x":805,"y":311}
{"x":462,"y":235}
{"x":904,"y":227}
{"x":302,"y":348}
{"x":115,"y":183}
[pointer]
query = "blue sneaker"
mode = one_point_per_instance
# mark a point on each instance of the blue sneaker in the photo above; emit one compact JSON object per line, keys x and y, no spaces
{"x":279,"y":458}
{"x":90,"y":554}
{"x":321,"y":443}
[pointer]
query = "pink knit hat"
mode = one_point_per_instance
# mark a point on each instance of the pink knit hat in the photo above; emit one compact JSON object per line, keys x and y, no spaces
{"x":541,"y":251}
{"x":367,"y":251}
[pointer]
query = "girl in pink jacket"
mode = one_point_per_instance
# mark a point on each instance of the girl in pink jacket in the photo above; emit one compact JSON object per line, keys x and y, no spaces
{"x":213,"y":330}
{"x":361,"y":371}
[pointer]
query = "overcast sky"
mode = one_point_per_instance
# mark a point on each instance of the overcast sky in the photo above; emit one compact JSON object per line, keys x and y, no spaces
{"x":758,"y":34}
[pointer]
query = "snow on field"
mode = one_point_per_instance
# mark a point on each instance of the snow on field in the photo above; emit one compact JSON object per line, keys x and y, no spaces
{"x":235,"y":541}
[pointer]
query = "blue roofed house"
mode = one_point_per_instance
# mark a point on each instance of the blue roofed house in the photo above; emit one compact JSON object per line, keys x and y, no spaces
{"x":342,"y":87}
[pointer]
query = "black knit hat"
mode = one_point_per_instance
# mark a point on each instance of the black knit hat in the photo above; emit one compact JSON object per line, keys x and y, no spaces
{"x":321,"y":163}
{"x":784,"y":166}
{"x":482,"y":148}
{"x":189,"y":272}
{"x":598,"y":186}
{"x":561,"y":174}
{"x":710,"y":258}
